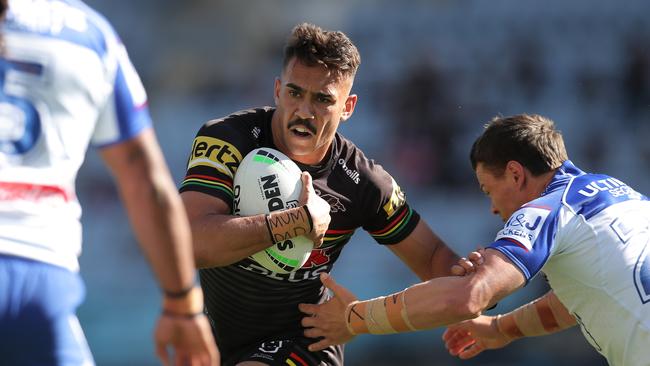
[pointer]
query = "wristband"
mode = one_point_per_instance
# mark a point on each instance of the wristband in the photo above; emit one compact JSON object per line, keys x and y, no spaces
{"x":267,"y":218}
{"x":189,"y":304}
{"x":172,"y":314}
{"x":180,"y":293}
{"x":309,"y":219}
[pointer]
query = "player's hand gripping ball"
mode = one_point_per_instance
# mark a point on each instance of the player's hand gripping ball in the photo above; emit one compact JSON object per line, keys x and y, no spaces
{"x":267,"y":181}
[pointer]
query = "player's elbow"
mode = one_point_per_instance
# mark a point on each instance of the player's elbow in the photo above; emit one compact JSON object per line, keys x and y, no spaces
{"x":208,"y":254}
{"x":205,"y":258}
{"x":199,"y":259}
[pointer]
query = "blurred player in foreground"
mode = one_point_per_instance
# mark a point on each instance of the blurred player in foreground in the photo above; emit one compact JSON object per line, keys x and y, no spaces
{"x":589,"y":233}
{"x":66,"y":82}
{"x":255,"y":311}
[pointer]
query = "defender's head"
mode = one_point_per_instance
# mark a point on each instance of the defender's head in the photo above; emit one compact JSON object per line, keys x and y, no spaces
{"x":515,"y":158}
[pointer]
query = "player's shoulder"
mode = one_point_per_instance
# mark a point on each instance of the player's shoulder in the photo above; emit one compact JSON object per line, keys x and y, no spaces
{"x":66,"y":20}
{"x":234,"y":135}
{"x":252,"y":122}
{"x":589,"y":194}
{"x":352,"y":160}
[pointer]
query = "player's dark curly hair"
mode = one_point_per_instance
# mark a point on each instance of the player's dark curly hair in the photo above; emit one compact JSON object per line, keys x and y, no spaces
{"x":312,"y":45}
{"x":531,"y":140}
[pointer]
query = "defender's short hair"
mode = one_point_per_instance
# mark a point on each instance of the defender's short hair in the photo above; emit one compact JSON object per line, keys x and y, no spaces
{"x":531,"y":140}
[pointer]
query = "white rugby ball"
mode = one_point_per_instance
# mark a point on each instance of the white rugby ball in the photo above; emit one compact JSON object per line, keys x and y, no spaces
{"x":267,"y":181}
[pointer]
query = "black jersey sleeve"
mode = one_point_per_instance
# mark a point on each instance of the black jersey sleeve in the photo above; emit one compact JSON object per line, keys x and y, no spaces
{"x":388,"y":217}
{"x":217,"y":151}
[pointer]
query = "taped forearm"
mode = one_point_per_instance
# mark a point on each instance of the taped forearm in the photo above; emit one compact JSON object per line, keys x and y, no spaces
{"x":381,"y":315}
{"x":540,"y":317}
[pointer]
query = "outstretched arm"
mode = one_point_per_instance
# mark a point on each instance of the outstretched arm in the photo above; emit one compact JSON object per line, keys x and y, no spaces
{"x":437,"y":302}
{"x":161,"y":226}
{"x":543,"y":316}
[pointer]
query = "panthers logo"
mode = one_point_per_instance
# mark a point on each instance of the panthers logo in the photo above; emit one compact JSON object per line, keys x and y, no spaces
{"x":334,"y":202}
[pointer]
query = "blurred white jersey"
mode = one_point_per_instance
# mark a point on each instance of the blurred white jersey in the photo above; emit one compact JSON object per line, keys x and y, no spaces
{"x":65,"y":82}
{"x":590,"y":234}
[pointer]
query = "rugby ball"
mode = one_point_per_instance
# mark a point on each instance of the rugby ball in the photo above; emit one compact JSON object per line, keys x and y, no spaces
{"x":267,"y":181}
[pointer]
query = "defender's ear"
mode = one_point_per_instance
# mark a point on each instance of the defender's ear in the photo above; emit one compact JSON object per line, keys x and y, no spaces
{"x":516,"y":172}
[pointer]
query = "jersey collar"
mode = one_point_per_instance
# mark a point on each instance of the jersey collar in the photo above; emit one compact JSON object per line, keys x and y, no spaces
{"x":562,"y":176}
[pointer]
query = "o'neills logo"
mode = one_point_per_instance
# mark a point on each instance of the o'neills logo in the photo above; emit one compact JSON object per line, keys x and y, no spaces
{"x":353,"y":174}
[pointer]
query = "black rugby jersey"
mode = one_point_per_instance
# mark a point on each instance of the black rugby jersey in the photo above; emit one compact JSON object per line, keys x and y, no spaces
{"x":248,"y":303}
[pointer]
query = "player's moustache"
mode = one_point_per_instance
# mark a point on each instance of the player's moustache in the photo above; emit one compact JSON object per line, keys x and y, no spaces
{"x":305,"y":123}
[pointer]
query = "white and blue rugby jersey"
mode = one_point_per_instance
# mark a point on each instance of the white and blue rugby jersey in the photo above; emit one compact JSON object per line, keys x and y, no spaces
{"x":590,"y":235}
{"x":65,"y":82}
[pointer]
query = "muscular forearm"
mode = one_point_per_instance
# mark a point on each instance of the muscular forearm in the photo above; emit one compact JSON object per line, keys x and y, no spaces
{"x":162,"y":229}
{"x":447,"y":300}
{"x":434,"y":303}
{"x":220,"y":240}
{"x":543,"y":316}
{"x":154,"y":208}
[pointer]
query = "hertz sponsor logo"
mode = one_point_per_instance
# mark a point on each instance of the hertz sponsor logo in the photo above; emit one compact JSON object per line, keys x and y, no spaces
{"x":397,"y":200}
{"x":215,"y":153}
{"x":353,"y":174}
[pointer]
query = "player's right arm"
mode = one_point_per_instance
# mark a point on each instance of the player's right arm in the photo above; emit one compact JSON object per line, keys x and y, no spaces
{"x":545,"y":315}
{"x":221,"y":238}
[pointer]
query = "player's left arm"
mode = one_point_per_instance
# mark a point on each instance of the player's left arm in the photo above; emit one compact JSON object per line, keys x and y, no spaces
{"x":426,"y":254}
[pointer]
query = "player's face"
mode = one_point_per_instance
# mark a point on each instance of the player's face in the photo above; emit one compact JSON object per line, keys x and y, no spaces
{"x":311,"y":103}
{"x":504,"y":191}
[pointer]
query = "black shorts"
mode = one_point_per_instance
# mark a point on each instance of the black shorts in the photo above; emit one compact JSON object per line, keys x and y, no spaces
{"x":288,"y":351}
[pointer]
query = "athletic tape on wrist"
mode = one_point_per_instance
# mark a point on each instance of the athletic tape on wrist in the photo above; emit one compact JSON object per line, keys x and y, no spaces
{"x":507,"y":326}
{"x":355,"y":318}
{"x":533,"y":319}
{"x":381,"y":315}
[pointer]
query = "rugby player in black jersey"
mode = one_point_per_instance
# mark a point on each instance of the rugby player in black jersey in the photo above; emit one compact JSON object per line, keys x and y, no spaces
{"x":254,"y":311}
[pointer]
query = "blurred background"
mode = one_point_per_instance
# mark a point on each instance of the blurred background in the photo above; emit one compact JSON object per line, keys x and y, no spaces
{"x":432,"y":73}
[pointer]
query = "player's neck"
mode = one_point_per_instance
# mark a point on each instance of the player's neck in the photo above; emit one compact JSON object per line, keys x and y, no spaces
{"x":538,"y":184}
